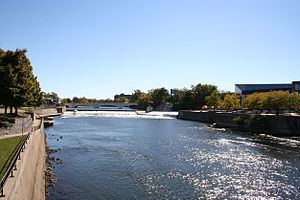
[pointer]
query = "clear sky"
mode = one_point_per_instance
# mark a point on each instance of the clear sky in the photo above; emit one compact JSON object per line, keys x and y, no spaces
{"x":97,"y":48}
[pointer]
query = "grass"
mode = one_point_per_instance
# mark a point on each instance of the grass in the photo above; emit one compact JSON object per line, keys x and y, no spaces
{"x":7,"y":150}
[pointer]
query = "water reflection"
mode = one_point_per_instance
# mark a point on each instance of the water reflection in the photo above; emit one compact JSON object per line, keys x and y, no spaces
{"x":124,"y":156}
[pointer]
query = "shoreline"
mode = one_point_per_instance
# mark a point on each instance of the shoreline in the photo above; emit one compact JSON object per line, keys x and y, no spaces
{"x":280,"y":126}
{"x":29,"y":178}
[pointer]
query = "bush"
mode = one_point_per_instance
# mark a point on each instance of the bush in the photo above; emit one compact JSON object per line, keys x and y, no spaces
{"x":239,"y":121}
{"x":258,"y":123}
{"x":5,"y":118}
{"x":5,"y":124}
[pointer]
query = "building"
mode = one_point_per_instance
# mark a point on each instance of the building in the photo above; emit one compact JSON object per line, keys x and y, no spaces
{"x":117,"y":97}
{"x":245,"y":89}
{"x":296,"y":86}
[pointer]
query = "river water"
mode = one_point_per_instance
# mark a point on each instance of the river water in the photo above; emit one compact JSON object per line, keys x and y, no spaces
{"x":121,"y":155}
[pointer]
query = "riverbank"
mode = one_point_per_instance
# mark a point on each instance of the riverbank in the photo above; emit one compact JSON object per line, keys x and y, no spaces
{"x":33,"y":174}
{"x":268,"y":124}
{"x":29,"y":181}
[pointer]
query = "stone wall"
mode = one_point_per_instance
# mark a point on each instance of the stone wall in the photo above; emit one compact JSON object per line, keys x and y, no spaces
{"x":46,"y":111}
{"x":269,"y":124}
{"x":20,"y":124}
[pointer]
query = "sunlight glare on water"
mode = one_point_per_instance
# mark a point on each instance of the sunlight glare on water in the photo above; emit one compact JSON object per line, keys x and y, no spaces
{"x":113,"y":155}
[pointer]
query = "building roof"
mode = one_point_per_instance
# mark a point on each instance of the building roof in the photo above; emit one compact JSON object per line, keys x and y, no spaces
{"x":251,"y":88}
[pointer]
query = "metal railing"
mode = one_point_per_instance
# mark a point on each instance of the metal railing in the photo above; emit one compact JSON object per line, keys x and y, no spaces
{"x":13,"y":162}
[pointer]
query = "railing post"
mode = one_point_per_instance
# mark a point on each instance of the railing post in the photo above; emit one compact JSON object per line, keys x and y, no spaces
{"x":1,"y":192}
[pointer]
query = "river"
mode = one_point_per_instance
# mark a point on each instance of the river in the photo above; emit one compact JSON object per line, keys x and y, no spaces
{"x":121,"y":155}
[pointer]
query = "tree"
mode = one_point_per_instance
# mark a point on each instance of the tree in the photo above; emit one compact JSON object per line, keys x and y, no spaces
{"x":254,"y":101}
{"x":294,"y":101}
{"x":231,"y":101}
{"x":201,"y":92}
{"x":214,"y":99}
{"x":19,"y":87}
{"x":121,"y":99}
{"x":135,"y":96}
{"x":66,"y":101}
{"x":183,"y":100}
{"x":276,"y":100}
{"x":143,"y":101}
{"x":159,"y":96}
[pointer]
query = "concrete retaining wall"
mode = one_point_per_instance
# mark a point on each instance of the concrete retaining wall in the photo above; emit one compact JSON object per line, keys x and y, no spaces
{"x":29,"y":180}
{"x":269,"y":124}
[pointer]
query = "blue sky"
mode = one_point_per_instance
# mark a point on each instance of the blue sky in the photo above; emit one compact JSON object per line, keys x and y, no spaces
{"x":99,"y":48}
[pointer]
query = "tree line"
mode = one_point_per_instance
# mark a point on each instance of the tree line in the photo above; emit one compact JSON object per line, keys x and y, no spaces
{"x":275,"y":100}
{"x":18,"y":85}
{"x":196,"y":97}
{"x":204,"y":96}
{"x":207,"y":96}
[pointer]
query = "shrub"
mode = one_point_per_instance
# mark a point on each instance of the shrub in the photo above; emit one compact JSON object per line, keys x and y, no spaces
{"x":258,"y":123}
{"x":239,"y":121}
{"x":5,"y":124}
{"x":6,"y":118}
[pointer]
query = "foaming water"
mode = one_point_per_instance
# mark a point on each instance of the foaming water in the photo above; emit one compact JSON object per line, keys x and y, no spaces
{"x":128,"y":156}
{"x":119,"y":114}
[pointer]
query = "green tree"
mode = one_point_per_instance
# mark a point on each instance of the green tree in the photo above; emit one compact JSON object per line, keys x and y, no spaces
{"x":121,"y":99}
{"x":66,"y":101}
{"x":183,"y":100}
{"x":143,"y":101}
{"x":136,"y":95}
{"x":294,"y":101}
{"x":159,"y":96}
{"x":19,"y":87}
{"x":214,"y":100}
{"x":201,"y":92}
{"x":276,"y":100}
{"x":254,"y":101}
{"x":231,"y":101}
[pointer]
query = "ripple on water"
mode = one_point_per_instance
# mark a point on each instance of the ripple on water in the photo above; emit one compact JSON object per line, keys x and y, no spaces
{"x":115,"y":157}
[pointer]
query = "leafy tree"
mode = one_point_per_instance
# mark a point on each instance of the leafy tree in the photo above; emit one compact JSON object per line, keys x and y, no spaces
{"x":254,"y":101}
{"x":293,"y":101}
{"x":231,"y":101}
{"x":275,"y":100}
{"x":159,"y":96}
{"x":143,"y":101}
{"x":214,"y":100}
{"x":18,"y":85}
{"x":183,"y":100}
{"x":75,"y":100}
{"x":121,"y":99}
{"x":65,"y":101}
{"x":136,"y":95}
{"x":51,"y":98}
{"x":201,"y":92}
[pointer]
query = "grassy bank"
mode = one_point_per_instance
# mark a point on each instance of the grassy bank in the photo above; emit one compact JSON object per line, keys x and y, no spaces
{"x":8,"y":147}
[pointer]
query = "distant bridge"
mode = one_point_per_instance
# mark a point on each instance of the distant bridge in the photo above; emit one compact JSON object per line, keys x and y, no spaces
{"x":104,"y":104}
